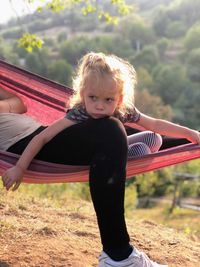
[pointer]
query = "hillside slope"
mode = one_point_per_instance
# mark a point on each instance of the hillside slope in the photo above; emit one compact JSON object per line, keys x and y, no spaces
{"x":37,"y":233}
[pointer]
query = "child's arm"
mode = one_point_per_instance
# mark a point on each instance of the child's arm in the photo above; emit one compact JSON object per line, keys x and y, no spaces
{"x":15,"y":174}
{"x":11,"y":103}
{"x":164,"y":127}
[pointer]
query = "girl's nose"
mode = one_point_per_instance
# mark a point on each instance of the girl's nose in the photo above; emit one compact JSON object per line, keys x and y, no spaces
{"x":99,"y":105}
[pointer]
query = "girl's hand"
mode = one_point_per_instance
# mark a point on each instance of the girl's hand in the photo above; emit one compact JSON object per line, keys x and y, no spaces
{"x":13,"y":177}
{"x":194,"y":137}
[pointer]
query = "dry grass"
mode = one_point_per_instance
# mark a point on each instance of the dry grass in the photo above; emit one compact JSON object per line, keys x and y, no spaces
{"x":37,"y":231}
{"x":184,"y":220}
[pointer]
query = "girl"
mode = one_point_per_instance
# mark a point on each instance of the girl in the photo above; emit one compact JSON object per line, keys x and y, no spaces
{"x":104,"y":100}
{"x":14,"y":127}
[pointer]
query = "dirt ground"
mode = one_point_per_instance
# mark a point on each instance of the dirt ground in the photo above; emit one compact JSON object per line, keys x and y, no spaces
{"x":38,"y":234}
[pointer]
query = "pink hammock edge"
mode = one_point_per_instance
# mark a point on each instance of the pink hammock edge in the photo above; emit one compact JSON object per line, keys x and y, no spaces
{"x":58,"y":173}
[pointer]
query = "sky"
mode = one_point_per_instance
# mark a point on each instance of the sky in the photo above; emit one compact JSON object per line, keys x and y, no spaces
{"x":14,"y":8}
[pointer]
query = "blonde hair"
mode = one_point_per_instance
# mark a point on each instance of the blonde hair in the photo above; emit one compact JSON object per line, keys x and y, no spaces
{"x":99,"y":66}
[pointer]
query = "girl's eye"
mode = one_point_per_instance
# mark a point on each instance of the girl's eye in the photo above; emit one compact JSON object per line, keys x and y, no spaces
{"x":109,"y":100}
{"x":92,"y":97}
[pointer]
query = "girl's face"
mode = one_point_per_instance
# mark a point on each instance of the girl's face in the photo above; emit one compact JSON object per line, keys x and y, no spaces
{"x":102,"y":100}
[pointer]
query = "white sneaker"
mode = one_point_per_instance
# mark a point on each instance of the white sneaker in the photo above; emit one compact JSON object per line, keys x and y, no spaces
{"x":136,"y":259}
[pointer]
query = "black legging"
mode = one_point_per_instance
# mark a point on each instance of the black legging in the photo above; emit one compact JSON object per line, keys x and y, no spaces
{"x":102,"y":144}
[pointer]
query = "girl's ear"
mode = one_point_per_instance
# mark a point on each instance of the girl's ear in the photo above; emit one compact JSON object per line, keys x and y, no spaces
{"x":120,"y":100}
{"x":81,"y":93}
{"x":82,"y":98}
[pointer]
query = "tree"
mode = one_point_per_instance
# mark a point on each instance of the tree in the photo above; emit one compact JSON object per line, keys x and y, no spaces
{"x":60,"y":71}
{"x":174,"y":19}
{"x":135,"y":29}
{"x":6,"y":52}
{"x":189,"y":187}
{"x":175,"y":29}
{"x":193,"y":65}
{"x":28,"y":41}
{"x":145,"y":80}
{"x":162,"y":46}
{"x":76,"y":47}
{"x":192,"y":39}
{"x":153,"y":105}
{"x":187,"y":106}
{"x":180,"y":10}
{"x":170,"y":82}
{"x":161,"y":21}
{"x":38,"y":61}
{"x":147,"y":58}
{"x":146,"y":186}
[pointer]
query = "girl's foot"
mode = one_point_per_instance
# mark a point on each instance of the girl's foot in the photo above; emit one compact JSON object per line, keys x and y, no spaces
{"x":136,"y":259}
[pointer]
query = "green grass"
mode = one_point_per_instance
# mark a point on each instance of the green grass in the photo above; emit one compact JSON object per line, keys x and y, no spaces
{"x":57,"y":195}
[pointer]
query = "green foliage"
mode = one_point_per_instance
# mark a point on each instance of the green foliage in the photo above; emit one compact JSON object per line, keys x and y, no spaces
{"x":38,"y":61}
{"x":192,"y":167}
{"x":162,"y":46}
{"x":193,"y":64}
{"x":130,"y":199}
{"x":146,"y":5}
{"x":161,"y":20}
{"x":173,"y":20}
{"x":75,"y":48}
{"x":60,"y":71}
{"x":39,"y":25}
{"x":153,"y":105}
{"x":58,"y":192}
{"x":190,"y":188}
{"x":7,"y":53}
{"x":192,"y":39}
{"x":90,"y":6}
{"x":58,"y":5}
{"x":135,"y":29}
{"x":146,"y":184}
{"x":145,"y":79}
{"x":13,"y":34}
{"x":186,"y":106}
{"x":62,"y":37}
{"x":179,"y":10}
{"x":30,"y":41}
{"x":147,"y":58}
{"x":175,"y":29}
{"x":170,"y":81}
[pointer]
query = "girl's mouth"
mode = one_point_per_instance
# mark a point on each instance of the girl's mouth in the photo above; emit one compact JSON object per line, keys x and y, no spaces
{"x":98,"y":116}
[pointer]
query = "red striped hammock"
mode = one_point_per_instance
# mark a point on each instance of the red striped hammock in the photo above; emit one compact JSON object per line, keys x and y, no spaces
{"x":46,"y":102}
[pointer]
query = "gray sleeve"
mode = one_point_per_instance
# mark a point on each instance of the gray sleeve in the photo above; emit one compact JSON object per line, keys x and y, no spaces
{"x":77,"y":114}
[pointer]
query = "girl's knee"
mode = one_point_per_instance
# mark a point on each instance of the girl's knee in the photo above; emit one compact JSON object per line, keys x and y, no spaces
{"x":156,"y":142}
{"x":138,"y":149}
{"x":110,"y":138}
{"x":109,"y":128}
{"x":152,"y":140}
{"x":112,"y":123}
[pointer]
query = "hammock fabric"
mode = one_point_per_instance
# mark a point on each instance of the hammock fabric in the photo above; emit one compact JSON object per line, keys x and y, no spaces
{"x":46,"y":102}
